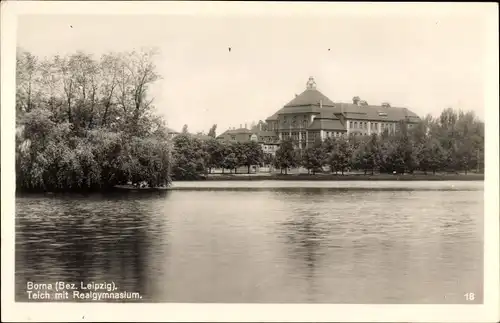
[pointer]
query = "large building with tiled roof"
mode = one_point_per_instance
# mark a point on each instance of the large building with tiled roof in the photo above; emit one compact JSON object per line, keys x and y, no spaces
{"x":311,"y":115}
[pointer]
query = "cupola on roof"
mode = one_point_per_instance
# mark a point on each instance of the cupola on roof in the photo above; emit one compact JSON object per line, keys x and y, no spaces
{"x":311,"y":96}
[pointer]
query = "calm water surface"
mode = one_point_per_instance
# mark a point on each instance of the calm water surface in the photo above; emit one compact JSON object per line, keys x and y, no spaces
{"x":269,"y":241}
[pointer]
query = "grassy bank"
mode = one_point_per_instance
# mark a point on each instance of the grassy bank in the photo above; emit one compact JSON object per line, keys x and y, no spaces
{"x":350,"y":177}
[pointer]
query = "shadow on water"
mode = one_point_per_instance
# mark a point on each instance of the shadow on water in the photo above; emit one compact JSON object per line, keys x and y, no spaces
{"x":88,"y":238}
{"x":276,"y":245}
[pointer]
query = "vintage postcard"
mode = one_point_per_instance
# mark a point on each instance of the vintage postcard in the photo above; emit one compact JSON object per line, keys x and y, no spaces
{"x":241,"y":161}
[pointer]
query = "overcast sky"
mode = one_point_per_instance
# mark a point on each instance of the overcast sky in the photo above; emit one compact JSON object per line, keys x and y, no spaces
{"x":425,"y":63}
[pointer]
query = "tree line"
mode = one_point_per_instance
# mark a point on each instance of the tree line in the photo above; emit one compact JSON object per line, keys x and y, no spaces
{"x":88,"y":123}
{"x":194,"y":156}
{"x":452,"y":142}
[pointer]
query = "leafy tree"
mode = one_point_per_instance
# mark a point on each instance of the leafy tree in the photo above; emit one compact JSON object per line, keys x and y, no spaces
{"x":329,"y":148}
{"x":250,"y":153}
{"x":229,"y":160}
{"x":431,"y":156}
{"x":268,"y":159}
{"x":88,"y":124}
{"x":185,"y":129}
{"x":212,"y":130}
{"x":342,"y":155}
{"x":314,"y":157}
{"x":286,"y":156}
{"x":215,"y":153}
{"x":366,"y":156}
{"x":189,"y":157}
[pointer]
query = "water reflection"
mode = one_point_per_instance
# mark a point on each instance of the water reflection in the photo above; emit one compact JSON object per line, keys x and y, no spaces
{"x":342,"y":249}
{"x":91,"y":239}
{"x":273,"y":245}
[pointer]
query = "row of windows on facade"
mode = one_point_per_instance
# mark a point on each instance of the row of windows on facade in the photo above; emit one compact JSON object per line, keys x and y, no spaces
{"x":311,"y":135}
{"x":374,"y":125}
{"x":266,"y":139}
{"x":352,"y":124}
{"x":364,"y":125}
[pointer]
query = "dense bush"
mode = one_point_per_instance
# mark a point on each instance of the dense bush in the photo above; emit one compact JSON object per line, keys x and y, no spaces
{"x":86,"y":124}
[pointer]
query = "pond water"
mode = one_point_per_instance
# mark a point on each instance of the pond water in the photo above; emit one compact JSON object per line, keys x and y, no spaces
{"x":261,"y":242}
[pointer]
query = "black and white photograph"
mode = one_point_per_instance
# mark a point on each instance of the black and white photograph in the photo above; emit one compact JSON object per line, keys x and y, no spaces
{"x":216,"y":161}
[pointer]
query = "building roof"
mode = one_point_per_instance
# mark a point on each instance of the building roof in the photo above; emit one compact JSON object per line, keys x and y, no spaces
{"x":265,"y":133}
{"x":300,"y":109}
{"x":326,"y":124}
{"x":310,"y":96}
{"x":373,"y":112}
{"x":235,"y":131}
{"x":328,"y":113}
{"x":271,"y":135}
{"x":274,"y":116}
{"x":312,"y":101}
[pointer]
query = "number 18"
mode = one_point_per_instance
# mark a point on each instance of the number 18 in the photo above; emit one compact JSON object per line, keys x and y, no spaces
{"x":469,"y":296}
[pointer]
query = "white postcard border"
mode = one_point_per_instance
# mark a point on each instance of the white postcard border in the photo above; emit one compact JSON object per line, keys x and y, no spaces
{"x":11,"y":311}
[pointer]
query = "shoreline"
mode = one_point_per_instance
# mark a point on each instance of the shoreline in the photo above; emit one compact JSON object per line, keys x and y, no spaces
{"x":350,"y":177}
{"x":289,"y":177}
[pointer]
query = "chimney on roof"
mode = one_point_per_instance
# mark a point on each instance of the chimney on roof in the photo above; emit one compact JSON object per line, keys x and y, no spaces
{"x":241,"y":126}
{"x":245,"y":125}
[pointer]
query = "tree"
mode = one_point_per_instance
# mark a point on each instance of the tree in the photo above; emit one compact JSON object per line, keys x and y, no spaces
{"x":250,"y":154}
{"x":430,"y":156}
{"x":27,"y":75}
{"x":212,"y":130}
{"x":215,"y":153}
{"x":185,"y":129}
{"x":373,"y":153}
{"x":342,"y":155}
{"x":189,"y":157}
{"x":366,"y":156}
{"x":314,"y":157}
{"x":230,"y":159}
{"x":268,"y":159}
{"x":73,"y":134}
{"x":406,"y":148}
{"x":286,"y":156}
{"x":329,"y":148}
